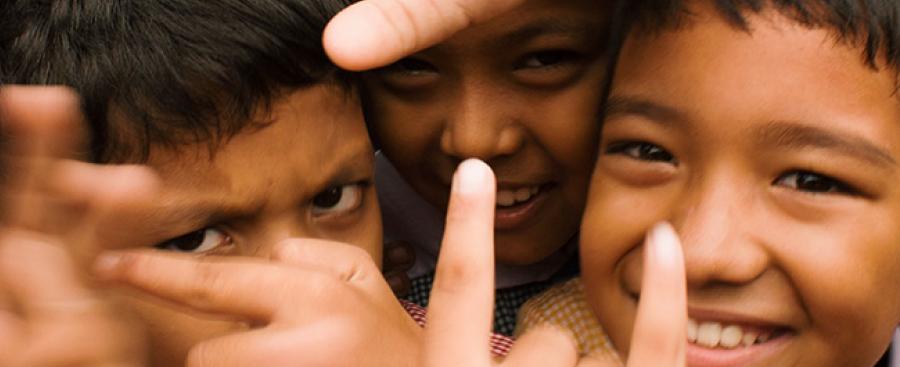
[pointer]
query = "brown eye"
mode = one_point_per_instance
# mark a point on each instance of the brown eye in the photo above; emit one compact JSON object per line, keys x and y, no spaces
{"x":200,"y":241}
{"x":642,"y":151}
{"x":338,"y":199}
{"x":814,"y":183}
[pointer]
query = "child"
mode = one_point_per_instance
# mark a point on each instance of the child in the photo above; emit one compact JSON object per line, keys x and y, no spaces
{"x":254,"y":135}
{"x":520,"y":92}
{"x":767,"y":133}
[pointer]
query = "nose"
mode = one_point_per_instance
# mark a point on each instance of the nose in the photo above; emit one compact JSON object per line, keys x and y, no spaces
{"x":478,"y":124}
{"x":719,"y":236}
{"x":268,"y":235}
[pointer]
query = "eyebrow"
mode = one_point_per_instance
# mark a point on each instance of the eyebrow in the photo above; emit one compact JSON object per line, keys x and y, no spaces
{"x":549,"y":26}
{"x":661,"y":114}
{"x":794,"y":135}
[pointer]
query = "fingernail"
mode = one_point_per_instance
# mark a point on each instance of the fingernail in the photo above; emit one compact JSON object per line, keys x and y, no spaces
{"x":471,"y":176}
{"x":664,"y":243}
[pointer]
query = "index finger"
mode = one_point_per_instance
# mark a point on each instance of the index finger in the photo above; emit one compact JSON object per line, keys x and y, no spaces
{"x":462,"y":298}
{"x":374,"y":33}
{"x":660,"y":330}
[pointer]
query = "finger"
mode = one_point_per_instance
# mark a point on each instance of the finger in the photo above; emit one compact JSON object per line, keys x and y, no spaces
{"x":398,"y":256}
{"x":42,"y":279}
{"x":98,"y":190}
{"x":462,"y":298}
{"x":344,"y":262}
{"x":374,"y":33}
{"x":316,"y":344}
{"x":543,"y":346}
{"x":249,"y":288}
{"x":40,"y":124}
{"x":660,"y":330}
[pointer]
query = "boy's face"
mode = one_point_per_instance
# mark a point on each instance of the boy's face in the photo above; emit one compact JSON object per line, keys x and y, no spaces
{"x":522,"y":93}
{"x":775,"y":154}
{"x":307,"y":174}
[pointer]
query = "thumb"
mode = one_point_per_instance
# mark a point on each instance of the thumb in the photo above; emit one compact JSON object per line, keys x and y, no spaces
{"x":374,"y":33}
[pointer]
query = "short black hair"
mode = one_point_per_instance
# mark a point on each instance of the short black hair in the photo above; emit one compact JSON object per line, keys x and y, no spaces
{"x":872,"y":25}
{"x":180,"y":71}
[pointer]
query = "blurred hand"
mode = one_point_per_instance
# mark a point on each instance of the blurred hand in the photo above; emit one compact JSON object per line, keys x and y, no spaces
{"x":399,"y":258}
{"x":49,"y":316}
{"x":461,"y":304}
{"x":374,"y":33}
{"x":319,"y":303}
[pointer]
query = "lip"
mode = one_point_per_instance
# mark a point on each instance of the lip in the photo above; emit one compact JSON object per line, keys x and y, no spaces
{"x":698,"y":356}
{"x":515,"y":216}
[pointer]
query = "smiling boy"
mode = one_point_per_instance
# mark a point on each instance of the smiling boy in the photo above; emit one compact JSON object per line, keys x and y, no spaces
{"x":521,"y":92}
{"x":768,"y":134}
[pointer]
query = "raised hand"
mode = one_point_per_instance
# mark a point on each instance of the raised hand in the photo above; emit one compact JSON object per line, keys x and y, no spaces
{"x":319,"y":303}
{"x":462,"y":298}
{"x":49,"y":315}
{"x":374,"y":33}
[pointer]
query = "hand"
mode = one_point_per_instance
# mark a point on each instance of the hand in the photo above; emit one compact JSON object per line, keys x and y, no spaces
{"x":462,"y":298}
{"x":399,"y":258}
{"x":374,"y":33}
{"x":319,"y":303}
{"x":49,"y":316}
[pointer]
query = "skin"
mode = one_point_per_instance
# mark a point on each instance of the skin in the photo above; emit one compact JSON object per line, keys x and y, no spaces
{"x":464,"y":99}
{"x":258,"y":189}
{"x":774,"y":154}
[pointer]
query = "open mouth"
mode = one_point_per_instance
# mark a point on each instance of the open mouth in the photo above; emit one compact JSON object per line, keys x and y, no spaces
{"x":713,"y":334}
{"x":516,"y":206}
{"x":717,"y":339}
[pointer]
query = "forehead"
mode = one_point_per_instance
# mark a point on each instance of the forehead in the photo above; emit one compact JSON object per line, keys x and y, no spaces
{"x":777,"y":71}
{"x":315,"y":135}
{"x":586,"y":19}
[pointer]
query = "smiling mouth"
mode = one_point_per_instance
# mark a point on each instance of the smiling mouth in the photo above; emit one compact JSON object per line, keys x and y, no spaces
{"x":722,"y":335}
{"x":516,"y":207}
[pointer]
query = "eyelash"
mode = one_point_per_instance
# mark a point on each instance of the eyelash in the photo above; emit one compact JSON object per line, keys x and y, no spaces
{"x":795,"y":180}
{"x":644,"y":151}
{"x":828,"y":185}
{"x":560,"y":58}
{"x":188,"y":242}
{"x":320,"y":209}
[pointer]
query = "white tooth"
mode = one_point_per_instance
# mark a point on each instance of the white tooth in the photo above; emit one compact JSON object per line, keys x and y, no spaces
{"x":692,"y":330}
{"x":506,"y":198}
{"x":523,"y":194}
{"x":749,"y":338}
{"x":708,"y":334}
{"x":764,"y":337}
{"x":731,"y":336}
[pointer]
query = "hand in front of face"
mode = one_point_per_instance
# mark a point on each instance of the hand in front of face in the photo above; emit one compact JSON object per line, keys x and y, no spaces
{"x":461,"y":302}
{"x":374,"y":33}
{"x":49,"y":316}
{"x":319,"y":303}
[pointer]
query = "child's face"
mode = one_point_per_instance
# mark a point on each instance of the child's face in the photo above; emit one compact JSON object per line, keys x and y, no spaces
{"x":775,"y":154}
{"x":308,"y":174}
{"x":522,"y":93}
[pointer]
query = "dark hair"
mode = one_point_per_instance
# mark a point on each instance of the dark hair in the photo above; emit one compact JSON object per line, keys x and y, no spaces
{"x":180,"y":71}
{"x":872,"y":25}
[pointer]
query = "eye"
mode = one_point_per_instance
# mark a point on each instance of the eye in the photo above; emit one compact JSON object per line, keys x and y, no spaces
{"x":642,"y":151}
{"x":548,"y":59}
{"x":201,"y":241}
{"x":338,"y":199}
{"x":410,"y":67}
{"x":814,"y":183}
